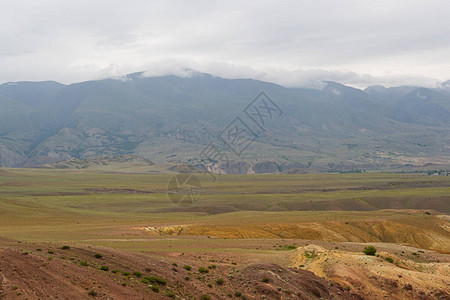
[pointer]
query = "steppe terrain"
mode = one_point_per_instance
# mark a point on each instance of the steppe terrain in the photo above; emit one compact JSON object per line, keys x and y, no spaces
{"x":100,"y":233}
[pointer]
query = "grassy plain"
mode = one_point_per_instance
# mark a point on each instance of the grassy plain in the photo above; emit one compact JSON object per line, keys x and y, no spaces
{"x":89,"y":205}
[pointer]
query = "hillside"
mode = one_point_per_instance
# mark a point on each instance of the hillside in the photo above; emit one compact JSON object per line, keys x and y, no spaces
{"x":172,"y":119}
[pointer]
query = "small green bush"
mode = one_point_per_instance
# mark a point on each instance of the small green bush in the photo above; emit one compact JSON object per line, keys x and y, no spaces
{"x":187,"y":267}
{"x":220,"y":281}
{"x":98,"y":255}
{"x":65,"y":247}
{"x":203,"y":270}
{"x":104,"y":268}
{"x":156,"y":279}
{"x":155,"y":288}
{"x":370,"y":250}
{"x":205,"y":297}
{"x":170,"y":294}
{"x":137,"y":274}
{"x":92,"y":293}
{"x":84,"y":263}
{"x":265,"y":280}
{"x":389,"y":259}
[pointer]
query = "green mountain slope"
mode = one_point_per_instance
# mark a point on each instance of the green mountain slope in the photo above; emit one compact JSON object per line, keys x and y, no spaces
{"x":172,"y":119}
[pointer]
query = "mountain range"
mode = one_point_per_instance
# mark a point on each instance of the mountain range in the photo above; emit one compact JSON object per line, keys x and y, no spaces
{"x":172,"y":119}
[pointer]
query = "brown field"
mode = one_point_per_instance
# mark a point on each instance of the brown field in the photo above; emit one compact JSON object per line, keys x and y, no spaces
{"x":278,"y":236}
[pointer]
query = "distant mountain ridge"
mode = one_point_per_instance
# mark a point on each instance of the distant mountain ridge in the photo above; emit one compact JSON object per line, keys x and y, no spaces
{"x":172,"y":119}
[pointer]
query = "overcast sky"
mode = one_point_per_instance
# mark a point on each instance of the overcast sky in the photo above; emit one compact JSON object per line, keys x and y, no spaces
{"x":294,"y":43}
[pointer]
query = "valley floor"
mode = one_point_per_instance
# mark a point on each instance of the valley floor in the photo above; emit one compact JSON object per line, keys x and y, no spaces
{"x":72,"y":234}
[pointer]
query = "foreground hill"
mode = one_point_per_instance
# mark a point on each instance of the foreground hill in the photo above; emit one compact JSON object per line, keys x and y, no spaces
{"x":172,"y":119}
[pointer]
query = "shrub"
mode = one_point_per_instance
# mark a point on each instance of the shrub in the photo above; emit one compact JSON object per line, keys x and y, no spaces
{"x":145,"y":281}
{"x":115,"y":271}
{"x":50,"y":252}
{"x":65,"y":247}
{"x":220,"y":281}
{"x":124,"y":284}
{"x":203,"y":270}
{"x":370,"y":250}
{"x":126,"y":273}
{"x":265,"y":280}
{"x":155,"y":279}
{"x":212,"y":267}
{"x":187,"y":267}
{"x":104,"y":268}
{"x":237,"y":294}
{"x":137,"y":274}
{"x":155,"y":288}
{"x":98,"y":255}
{"x":92,"y":293}
{"x":170,"y":294}
{"x":389,"y":259}
{"x":205,"y":297}
{"x":291,"y":247}
{"x":84,"y":263}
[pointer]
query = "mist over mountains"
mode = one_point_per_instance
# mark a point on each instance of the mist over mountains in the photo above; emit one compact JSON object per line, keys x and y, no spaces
{"x":172,"y":119}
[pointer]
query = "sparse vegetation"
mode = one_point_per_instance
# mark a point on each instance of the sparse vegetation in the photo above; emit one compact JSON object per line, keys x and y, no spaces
{"x":65,"y":247}
{"x":98,"y":255}
{"x":203,"y":270}
{"x":187,"y":267}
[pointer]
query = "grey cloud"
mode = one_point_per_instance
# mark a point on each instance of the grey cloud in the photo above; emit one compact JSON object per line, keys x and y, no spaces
{"x":289,"y":42}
